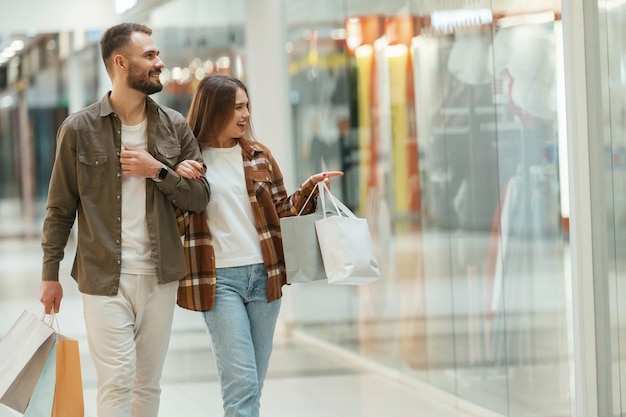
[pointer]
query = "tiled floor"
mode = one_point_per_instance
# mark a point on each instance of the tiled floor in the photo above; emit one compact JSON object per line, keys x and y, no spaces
{"x":305,"y":379}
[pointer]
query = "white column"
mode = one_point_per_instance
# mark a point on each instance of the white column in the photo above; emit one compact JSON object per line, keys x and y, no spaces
{"x":267,"y":82}
{"x":75,"y":84}
{"x":590,"y":320}
{"x":104,"y":82}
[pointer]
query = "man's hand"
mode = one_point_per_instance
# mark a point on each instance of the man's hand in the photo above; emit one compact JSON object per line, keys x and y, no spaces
{"x":50,"y":295}
{"x":139,"y":163}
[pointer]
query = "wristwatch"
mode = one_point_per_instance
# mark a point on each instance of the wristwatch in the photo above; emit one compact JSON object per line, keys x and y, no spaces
{"x":162,"y":174}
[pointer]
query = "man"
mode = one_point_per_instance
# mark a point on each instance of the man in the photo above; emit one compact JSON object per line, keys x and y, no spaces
{"x":114,"y":167}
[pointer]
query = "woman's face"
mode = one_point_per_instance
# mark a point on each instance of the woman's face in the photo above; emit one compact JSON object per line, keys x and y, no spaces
{"x":238,"y":123}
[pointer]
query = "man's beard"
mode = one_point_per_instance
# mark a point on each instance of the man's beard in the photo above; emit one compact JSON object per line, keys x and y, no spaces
{"x":142,"y":83}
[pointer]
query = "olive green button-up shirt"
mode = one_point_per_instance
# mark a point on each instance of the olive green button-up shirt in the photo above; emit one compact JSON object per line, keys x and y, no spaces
{"x":87,"y":180}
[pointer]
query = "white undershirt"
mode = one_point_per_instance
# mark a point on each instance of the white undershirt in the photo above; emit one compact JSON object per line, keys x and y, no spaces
{"x":136,"y":252}
{"x":229,"y":214}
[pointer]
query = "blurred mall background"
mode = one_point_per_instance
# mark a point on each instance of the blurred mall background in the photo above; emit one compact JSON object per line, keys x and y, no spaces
{"x":483,"y":140}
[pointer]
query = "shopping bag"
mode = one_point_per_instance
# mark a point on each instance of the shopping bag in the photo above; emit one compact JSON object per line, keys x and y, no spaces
{"x":40,"y":404}
{"x":68,"y":390}
{"x":303,"y":259}
{"x":345,"y":244}
{"x":24,"y":351}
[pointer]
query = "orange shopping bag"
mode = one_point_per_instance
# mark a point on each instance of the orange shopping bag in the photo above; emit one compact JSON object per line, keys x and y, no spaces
{"x":68,"y":390}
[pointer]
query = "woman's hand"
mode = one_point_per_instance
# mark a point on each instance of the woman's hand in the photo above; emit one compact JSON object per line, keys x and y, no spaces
{"x":326,"y":176}
{"x":191,"y":169}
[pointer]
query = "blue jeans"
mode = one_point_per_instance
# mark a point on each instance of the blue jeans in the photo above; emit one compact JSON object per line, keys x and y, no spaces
{"x":241,"y":326}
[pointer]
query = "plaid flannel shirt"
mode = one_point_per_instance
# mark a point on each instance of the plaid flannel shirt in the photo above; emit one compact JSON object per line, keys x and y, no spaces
{"x":270,"y":202}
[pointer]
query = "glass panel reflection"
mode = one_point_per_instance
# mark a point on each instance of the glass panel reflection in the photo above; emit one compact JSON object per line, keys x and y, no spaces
{"x":452,"y":115}
{"x":611,"y":22}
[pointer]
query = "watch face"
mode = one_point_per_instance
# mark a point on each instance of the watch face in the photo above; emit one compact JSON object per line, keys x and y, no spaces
{"x":162,"y":173}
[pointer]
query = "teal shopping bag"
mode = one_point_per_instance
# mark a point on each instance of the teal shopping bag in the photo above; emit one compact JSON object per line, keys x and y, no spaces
{"x":40,"y":404}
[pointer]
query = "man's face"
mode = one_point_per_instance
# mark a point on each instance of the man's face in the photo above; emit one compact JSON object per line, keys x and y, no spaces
{"x":144,"y":65}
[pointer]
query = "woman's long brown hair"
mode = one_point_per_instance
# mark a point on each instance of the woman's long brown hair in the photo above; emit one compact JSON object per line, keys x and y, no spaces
{"x":213,"y":105}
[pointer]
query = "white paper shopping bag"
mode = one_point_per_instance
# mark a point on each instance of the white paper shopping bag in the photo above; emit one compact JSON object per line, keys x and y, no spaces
{"x":303,"y":259}
{"x":345,"y":244}
{"x":24,"y":351}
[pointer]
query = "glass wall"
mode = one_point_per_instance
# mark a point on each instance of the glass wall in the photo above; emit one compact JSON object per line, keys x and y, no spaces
{"x":612,"y":16}
{"x":445,"y":117}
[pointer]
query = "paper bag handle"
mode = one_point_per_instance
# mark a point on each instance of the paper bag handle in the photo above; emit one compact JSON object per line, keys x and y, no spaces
{"x":49,"y":320}
{"x":307,"y":201}
{"x":339,"y":206}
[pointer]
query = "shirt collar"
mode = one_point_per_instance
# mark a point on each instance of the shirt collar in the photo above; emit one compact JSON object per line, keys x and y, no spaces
{"x":107,"y":109}
{"x":250,"y":148}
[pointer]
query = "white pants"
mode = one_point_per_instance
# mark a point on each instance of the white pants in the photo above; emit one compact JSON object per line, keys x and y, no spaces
{"x":128,"y":336}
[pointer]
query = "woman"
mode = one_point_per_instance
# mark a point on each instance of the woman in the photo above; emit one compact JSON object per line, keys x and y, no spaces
{"x":248,"y":198}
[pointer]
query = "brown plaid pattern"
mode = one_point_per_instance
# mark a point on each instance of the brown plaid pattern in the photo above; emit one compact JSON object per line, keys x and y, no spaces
{"x":270,"y":202}
{"x":197,"y":290}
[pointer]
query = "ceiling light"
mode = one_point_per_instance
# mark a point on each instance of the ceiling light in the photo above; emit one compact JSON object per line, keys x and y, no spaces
{"x":17,"y":45}
{"x":8,"y":53}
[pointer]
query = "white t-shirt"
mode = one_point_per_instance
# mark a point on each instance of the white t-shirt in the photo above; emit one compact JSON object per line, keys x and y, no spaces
{"x":136,"y":252}
{"x":229,"y":214}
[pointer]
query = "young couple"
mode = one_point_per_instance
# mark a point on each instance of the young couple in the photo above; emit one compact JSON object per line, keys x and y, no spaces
{"x":123,"y":165}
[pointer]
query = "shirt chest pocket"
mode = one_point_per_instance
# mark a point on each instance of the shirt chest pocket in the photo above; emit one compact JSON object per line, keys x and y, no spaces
{"x":92,"y":169}
{"x":262,"y":182}
{"x":169,"y":153}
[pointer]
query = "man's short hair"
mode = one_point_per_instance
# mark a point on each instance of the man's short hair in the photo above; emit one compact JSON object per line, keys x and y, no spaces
{"x":117,"y":38}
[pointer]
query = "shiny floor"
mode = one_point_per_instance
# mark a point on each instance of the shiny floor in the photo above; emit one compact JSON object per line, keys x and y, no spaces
{"x":305,"y":379}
